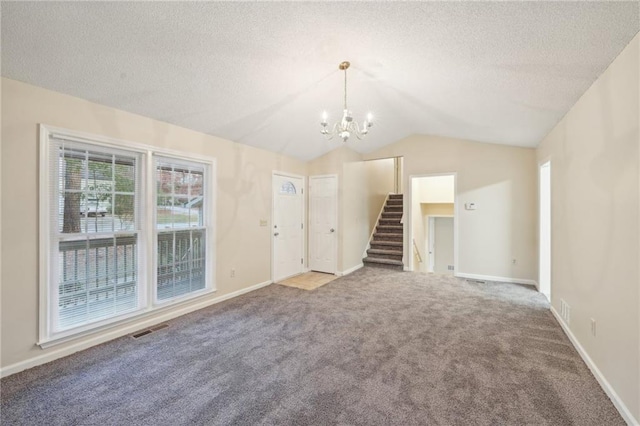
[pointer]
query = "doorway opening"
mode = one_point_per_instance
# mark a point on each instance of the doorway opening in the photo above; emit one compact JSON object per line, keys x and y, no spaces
{"x":433,"y":225}
{"x":545,"y":229}
{"x":384,"y":177}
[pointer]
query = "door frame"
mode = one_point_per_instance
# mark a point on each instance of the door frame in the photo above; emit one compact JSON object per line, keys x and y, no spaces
{"x":336,"y":218}
{"x":303,"y":267}
{"x":542,"y":163}
{"x":431,"y":241}
{"x":408,"y":208}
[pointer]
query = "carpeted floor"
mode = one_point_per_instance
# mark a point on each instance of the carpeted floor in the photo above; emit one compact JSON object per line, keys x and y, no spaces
{"x":376,"y":347}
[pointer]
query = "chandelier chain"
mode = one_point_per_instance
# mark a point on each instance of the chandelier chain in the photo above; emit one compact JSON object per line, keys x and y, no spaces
{"x":345,"y":89}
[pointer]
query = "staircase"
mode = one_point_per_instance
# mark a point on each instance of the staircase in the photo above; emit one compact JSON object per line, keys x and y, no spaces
{"x":386,"y":244}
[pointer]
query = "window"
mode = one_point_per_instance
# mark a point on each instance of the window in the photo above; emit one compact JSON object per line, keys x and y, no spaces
{"x":97,"y":265}
{"x":288,"y":188}
{"x":181,"y":230}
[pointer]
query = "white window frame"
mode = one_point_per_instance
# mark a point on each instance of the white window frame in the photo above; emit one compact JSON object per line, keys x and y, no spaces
{"x":146,"y":246}
{"x":207,"y":225}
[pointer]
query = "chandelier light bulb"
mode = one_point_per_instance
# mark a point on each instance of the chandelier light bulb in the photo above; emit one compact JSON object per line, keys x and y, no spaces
{"x":346,"y":126}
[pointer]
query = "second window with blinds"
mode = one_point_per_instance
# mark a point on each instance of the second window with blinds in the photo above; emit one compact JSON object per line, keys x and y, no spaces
{"x":181,"y":228}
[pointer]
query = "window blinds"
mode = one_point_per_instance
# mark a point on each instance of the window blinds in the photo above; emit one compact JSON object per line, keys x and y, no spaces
{"x":181,"y":228}
{"x":95,"y":221}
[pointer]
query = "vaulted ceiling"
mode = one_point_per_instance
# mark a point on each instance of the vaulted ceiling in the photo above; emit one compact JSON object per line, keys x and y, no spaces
{"x":262,"y":73}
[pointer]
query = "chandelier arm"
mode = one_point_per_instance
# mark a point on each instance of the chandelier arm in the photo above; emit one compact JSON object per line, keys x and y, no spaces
{"x":332,"y":134}
{"x":356,"y":130}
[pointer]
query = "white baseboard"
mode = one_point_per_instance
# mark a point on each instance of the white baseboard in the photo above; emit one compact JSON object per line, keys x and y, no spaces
{"x":350,"y":270}
{"x":122,"y":331}
{"x":608,"y":389}
{"x":498,"y":279}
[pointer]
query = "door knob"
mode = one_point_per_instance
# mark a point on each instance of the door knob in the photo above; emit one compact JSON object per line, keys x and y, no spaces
{"x":275,"y":234}
{"x":332,"y":230}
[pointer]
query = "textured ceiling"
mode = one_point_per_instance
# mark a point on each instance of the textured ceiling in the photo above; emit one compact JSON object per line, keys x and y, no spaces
{"x":262,"y":73}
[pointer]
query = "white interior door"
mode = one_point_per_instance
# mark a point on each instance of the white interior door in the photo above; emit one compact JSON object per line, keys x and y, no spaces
{"x":287,"y":226}
{"x":323,"y":233}
{"x":443,"y":245}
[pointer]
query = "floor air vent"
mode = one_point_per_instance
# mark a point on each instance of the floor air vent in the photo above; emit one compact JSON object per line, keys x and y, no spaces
{"x":149,"y":331}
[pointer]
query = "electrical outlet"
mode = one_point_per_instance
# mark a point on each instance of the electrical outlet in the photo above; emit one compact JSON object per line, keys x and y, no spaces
{"x":593,"y":327}
{"x":514,"y":262}
{"x":233,"y":273}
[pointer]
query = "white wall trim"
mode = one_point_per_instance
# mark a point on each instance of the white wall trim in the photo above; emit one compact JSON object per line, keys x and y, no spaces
{"x":123,"y":331}
{"x":350,"y":270}
{"x":608,"y":389}
{"x":498,"y":279}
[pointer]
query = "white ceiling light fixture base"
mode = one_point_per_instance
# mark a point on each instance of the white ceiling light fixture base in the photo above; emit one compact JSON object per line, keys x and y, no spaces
{"x":345,"y":127}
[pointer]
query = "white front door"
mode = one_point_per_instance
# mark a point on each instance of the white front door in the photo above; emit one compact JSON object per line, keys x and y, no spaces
{"x":323,"y":232}
{"x":287,"y":226}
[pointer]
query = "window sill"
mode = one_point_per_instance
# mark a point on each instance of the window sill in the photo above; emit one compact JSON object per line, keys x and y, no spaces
{"x":127,"y":320}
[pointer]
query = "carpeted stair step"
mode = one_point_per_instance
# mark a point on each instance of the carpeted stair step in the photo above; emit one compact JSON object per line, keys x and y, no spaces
{"x":386,"y":245}
{"x":386,"y":263}
{"x":385,"y":254}
{"x":389,"y":229}
{"x":397,"y":209}
{"x":391,"y":215}
{"x":378,"y":236}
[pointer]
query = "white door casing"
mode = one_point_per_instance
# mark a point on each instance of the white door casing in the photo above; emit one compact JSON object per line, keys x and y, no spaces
{"x":431,"y":248}
{"x":323,"y":218}
{"x":545,"y":229}
{"x":287,"y":226}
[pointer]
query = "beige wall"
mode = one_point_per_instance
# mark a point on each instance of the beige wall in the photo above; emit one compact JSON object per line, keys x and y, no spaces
{"x":595,"y":221}
{"x":501,"y":180}
{"x":243,"y":198}
{"x":436,"y":189}
{"x":352,"y":208}
{"x":355,"y":212}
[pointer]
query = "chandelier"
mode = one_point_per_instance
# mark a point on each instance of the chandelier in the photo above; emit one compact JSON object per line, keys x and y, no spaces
{"x":345,"y":127}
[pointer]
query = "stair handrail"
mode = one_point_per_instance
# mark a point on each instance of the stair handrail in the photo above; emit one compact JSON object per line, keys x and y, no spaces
{"x":417,"y":251}
{"x":373,"y":231}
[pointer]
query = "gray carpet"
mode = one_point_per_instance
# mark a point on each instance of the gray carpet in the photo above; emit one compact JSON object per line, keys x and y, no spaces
{"x":377,"y":347}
